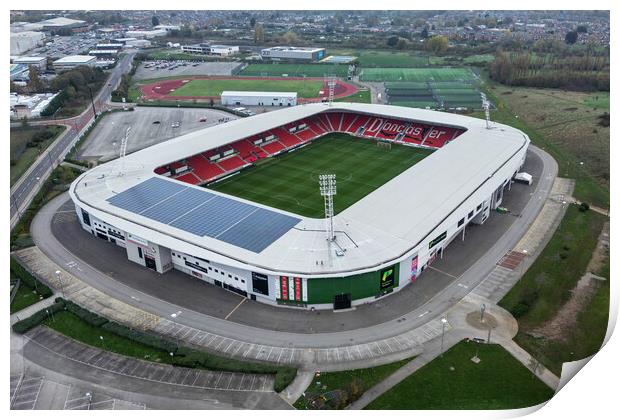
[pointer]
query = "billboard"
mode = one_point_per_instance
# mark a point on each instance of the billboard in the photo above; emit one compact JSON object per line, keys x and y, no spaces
{"x":414,"y":268}
{"x":293,"y":289}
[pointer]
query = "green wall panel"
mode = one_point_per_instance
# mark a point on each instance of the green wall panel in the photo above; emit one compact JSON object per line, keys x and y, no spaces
{"x":323,"y":290}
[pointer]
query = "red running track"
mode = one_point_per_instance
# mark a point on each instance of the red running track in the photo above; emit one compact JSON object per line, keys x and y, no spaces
{"x":158,"y":91}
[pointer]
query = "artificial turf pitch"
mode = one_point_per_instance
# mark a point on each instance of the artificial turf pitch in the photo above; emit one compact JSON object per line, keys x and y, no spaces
{"x":290,"y":181}
{"x":215,"y":87}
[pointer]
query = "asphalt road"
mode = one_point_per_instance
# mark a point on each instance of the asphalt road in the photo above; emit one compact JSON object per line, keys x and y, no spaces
{"x":433,"y":294}
{"x":26,"y":188}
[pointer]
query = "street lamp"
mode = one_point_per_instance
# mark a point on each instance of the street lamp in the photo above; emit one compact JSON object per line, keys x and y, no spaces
{"x":444,"y":321}
{"x":90,"y":399}
{"x":62,"y":287}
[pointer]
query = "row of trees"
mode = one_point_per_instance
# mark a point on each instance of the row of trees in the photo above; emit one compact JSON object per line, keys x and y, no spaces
{"x":528,"y":69}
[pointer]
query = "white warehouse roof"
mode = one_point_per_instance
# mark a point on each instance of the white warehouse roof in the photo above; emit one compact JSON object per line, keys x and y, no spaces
{"x":71,"y":59}
{"x":385,"y":225}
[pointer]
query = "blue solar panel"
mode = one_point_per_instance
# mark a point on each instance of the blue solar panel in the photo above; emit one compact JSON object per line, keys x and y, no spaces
{"x":203,"y":213}
{"x":177,"y":205}
{"x":257,"y":231}
{"x":146,"y":194}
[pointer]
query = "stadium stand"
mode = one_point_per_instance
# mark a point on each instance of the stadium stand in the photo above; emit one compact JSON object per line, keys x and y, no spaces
{"x":231,"y":164}
{"x":211,"y":164}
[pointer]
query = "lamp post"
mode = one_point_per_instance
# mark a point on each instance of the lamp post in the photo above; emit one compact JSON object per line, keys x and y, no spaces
{"x":90,"y":399}
{"x":62,"y":287}
{"x":444,"y":321}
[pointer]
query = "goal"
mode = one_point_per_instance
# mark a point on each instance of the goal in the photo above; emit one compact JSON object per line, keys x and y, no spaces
{"x":386,"y":145}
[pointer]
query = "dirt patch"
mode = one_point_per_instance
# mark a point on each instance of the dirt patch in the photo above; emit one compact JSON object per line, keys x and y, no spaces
{"x":571,"y":109}
{"x":558,"y":327}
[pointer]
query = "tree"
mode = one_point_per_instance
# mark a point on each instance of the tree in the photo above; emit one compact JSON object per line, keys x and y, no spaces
{"x":424,"y":33}
{"x":437,"y":43}
{"x":392,"y":41}
{"x":571,"y":37}
{"x":582,"y":29}
{"x":154,"y":21}
{"x":290,"y":38}
{"x":402,"y":43}
{"x":35,"y":84}
{"x":252,"y":22}
{"x":259,"y":33}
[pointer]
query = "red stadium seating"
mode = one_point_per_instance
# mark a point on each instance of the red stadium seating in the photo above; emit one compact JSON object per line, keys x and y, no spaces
{"x":189,"y":177}
{"x":232,"y":163}
{"x":201,"y":169}
{"x":273,"y":147}
{"x":286,"y":138}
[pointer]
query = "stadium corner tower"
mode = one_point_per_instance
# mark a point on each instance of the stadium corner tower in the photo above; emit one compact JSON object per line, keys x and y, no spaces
{"x":153,"y":204}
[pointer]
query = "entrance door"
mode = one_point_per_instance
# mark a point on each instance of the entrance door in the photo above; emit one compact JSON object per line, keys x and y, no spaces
{"x":150,"y":263}
{"x":342,"y":301}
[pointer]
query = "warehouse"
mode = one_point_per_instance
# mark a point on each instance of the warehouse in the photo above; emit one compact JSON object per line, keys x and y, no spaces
{"x":230,"y":97}
{"x":72,"y":61}
{"x":292,"y":54}
{"x":25,"y":41}
{"x":40,"y":63}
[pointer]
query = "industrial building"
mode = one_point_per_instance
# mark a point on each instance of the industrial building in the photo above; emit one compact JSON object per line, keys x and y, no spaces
{"x":39,"y":62}
{"x":29,"y":106}
{"x":292,"y":53}
{"x":73,"y":61}
{"x":230,"y":97}
{"x":63,"y":23}
{"x":22,"y":42}
{"x":208,"y":49}
{"x":144,"y":34}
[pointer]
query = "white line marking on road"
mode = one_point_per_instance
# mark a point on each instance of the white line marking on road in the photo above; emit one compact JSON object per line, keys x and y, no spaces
{"x":424,"y":313}
{"x":235,"y":308}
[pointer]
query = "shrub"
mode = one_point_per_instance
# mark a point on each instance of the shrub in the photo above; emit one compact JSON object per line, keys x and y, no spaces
{"x":37,"y":318}
{"x":583,"y":207}
{"x":29,"y":279}
{"x":140,"y":337}
{"x":84,"y":314}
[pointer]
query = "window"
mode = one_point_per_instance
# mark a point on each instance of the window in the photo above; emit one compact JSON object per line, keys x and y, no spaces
{"x":479,"y":206}
{"x":461,"y":222}
{"x":230,"y":276}
{"x":140,"y":252}
{"x":216,"y":270}
{"x":470,"y":215}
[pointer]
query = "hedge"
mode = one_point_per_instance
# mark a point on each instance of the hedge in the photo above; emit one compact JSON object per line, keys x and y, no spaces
{"x":35,"y":319}
{"x":140,"y":337}
{"x":29,"y":279}
{"x":84,"y":314}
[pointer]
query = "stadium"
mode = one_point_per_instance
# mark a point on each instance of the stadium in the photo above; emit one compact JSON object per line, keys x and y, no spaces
{"x":242,"y":205}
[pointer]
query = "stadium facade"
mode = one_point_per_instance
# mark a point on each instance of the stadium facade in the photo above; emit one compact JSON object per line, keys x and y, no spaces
{"x":151,"y":204}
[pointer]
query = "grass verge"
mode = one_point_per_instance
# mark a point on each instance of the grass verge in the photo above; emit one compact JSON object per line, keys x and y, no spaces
{"x":454,"y":382}
{"x":546,"y":286}
{"x":26,"y":146}
{"x":339,"y":389}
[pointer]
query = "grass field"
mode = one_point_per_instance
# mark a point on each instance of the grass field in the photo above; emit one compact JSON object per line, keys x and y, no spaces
{"x":354,"y":382}
{"x":24,"y":297}
{"x":416,"y":74}
{"x":434,"y":94}
{"x":362,"y":96}
{"x":23,"y":155}
{"x":561,"y":123}
{"x":546,"y":287}
{"x":214,"y":87}
{"x":454,"y":382}
{"x":290,"y":182}
{"x":295,"y":70}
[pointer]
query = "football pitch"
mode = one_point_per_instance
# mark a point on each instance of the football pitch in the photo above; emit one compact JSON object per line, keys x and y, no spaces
{"x":295,"y":70}
{"x":215,"y":87}
{"x":290,"y":181}
{"x":416,"y":74}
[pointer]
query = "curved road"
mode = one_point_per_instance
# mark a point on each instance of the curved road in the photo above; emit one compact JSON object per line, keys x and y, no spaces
{"x":416,"y":318}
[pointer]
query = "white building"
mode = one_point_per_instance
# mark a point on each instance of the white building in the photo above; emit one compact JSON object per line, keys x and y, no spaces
{"x":29,"y":106}
{"x":230,"y":97}
{"x":39,"y":62}
{"x":146,"y":34}
{"x":73,"y":61}
{"x":293,"y":53}
{"x":25,"y":41}
{"x":208,"y":49}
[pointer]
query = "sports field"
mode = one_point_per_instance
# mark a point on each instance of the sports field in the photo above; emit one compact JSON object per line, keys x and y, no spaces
{"x":416,"y":74}
{"x":295,"y":70}
{"x":214,"y":87}
{"x":290,"y":182}
{"x":434,"y":94}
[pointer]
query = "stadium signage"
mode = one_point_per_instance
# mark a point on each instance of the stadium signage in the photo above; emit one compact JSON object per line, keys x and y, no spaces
{"x":437,"y":240}
{"x":410,"y":129}
{"x":387,"y":278}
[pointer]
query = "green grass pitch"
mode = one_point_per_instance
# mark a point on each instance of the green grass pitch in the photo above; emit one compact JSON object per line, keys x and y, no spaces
{"x":290,"y":181}
{"x":295,"y":70}
{"x":214,"y":87}
{"x":416,"y":74}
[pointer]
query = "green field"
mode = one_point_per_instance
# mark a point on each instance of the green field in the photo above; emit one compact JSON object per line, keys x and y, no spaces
{"x":26,"y":144}
{"x":416,"y":74}
{"x":290,"y":182}
{"x":214,"y":87}
{"x":295,"y":70}
{"x":383,"y":58}
{"x":454,"y":382}
{"x":434,"y":94}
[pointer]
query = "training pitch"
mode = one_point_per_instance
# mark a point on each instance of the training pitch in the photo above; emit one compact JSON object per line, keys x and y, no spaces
{"x":215,"y":87}
{"x":290,"y":181}
{"x":416,"y":74}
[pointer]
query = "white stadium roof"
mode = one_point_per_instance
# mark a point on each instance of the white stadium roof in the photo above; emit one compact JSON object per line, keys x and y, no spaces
{"x":381,"y":227}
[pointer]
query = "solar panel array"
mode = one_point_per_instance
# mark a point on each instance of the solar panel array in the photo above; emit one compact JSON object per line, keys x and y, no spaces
{"x":203,"y":213}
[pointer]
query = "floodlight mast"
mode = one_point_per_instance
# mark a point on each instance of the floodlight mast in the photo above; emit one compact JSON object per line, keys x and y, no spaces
{"x":327,"y":187}
{"x":123,"y":152}
{"x":486,"y":105}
